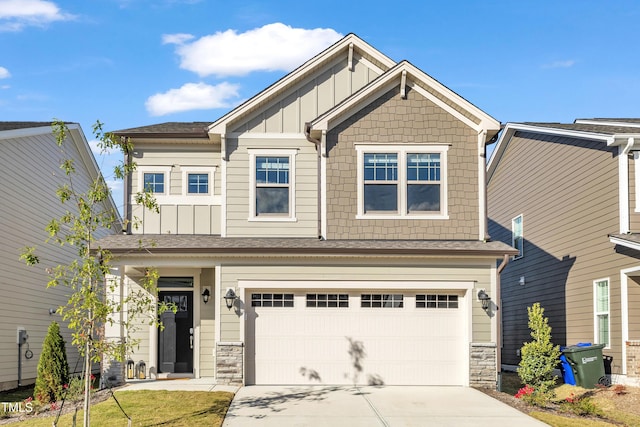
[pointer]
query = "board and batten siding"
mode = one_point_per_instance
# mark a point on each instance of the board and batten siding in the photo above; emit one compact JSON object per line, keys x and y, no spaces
{"x":177,"y":216}
{"x":317,"y":93}
{"x":239,"y":182}
{"x":569,"y":201}
{"x":373,"y":270}
{"x":393,"y":120}
{"x":30,"y":175}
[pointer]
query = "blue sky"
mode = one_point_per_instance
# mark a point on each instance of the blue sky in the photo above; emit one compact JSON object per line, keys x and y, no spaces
{"x":131,"y":63}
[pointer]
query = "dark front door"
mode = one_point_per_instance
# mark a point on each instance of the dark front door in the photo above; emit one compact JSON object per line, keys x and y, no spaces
{"x":175,"y":340}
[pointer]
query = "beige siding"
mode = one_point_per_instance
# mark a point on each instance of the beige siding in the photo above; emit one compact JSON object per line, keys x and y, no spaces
{"x":207,"y":325}
{"x":360,"y":270}
{"x":569,"y":200}
{"x":634,"y":312}
{"x":30,"y":175}
{"x":176,"y":215}
{"x":318,"y":92}
{"x":391,"y":119}
{"x":238,"y":184}
{"x":634,"y":206}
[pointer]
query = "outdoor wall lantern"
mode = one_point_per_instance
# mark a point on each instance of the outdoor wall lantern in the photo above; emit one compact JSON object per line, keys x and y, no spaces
{"x":205,"y":295}
{"x":484,"y":299}
{"x":229,"y":298}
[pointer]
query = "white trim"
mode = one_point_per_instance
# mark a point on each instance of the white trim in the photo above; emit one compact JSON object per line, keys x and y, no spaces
{"x":262,"y":135}
{"x":273,"y":152}
{"x":623,"y":189}
{"x":449,"y":109}
{"x":482,"y":187}
{"x":223,"y":191}
{"x":596,"y":313}
{"x":402,"y":150}
{"x":624,"y":312}
{"x":354,"y":284}
{"x":625,"y":243}
{"x":323,"y":184}
{"x":217,"y":301}
{"x":200,"y":198}
{"x":636,"y":173}
{"x":607,"y":122}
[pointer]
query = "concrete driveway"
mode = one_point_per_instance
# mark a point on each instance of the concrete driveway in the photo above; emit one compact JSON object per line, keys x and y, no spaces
{"x":370,"y":406}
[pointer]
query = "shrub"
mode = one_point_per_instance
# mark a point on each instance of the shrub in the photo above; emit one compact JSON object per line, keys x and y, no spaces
{"x":539,"y":357}
{"x":53,"y":369}
{"x":580,"y":405}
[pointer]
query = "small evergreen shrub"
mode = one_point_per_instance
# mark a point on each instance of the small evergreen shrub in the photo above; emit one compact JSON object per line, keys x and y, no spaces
{"x":53,"y":369}
{"x":539,"y":358}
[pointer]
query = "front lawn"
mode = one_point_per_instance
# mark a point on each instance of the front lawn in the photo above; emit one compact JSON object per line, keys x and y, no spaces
{"x":149,"y":408}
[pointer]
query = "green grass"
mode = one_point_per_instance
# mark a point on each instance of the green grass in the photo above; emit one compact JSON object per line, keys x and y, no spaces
{"x":152,"y":408}
{"x":17,"y":395}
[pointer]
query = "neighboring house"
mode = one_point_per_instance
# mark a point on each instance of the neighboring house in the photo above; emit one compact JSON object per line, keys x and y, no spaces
{"x":30,"y":175}
{"x":344,"y":206}
{"x":567,"y":196}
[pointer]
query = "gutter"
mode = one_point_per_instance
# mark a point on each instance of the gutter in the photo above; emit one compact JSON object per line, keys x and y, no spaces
{"x":501,"y":267}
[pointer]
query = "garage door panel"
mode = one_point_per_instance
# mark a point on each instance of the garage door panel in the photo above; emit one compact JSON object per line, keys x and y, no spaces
{"x":393,"y":346}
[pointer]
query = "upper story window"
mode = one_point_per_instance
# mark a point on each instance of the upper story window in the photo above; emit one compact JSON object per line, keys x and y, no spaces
{"x":198,"y":183}
{"x":272,"y":191}
{"x":517,"y":236}
{"x":402,"y":181}
{"x":154,"y":182}
{"x":601,"y":311}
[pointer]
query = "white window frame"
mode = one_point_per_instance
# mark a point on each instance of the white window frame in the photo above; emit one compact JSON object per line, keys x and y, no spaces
{"x":198,"y":198}
{"x":513,"y":235}
{"x":596,"y":313}
{"x":166,"y":171}
{"x":272,"y":152}
{"x":402,"y":150}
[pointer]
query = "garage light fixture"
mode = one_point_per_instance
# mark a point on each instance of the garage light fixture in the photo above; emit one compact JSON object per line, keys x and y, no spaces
{"x":484,"y":299}
{"x":230,"y":298}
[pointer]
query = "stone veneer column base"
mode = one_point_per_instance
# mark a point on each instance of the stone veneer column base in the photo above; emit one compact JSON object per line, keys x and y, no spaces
{"x":229,"y":363}
{"x":633,"y":360}
{"x":482,"y":365}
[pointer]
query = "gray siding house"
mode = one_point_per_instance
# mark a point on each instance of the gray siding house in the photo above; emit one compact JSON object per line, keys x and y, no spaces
{"x":29,"y":175}
{"x":333,"y":221}
{"x":566,"y":196}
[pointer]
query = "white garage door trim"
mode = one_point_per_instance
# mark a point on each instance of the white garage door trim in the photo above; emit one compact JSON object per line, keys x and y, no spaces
{"x":397,"y":287}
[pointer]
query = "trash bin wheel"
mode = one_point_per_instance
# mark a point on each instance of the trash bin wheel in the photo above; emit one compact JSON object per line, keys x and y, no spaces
{"x":605,"y":381}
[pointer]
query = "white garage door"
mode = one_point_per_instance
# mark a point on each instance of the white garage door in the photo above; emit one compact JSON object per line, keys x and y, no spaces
{"x":366,"y":337}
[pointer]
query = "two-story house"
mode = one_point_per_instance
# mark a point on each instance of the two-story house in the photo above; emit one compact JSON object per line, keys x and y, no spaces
{"x":329,"y":230}
{"x":567,"y":197}
{"x":30,"y":174}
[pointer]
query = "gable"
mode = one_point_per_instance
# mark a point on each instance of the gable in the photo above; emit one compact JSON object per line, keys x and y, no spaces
{"x":314,"y":87}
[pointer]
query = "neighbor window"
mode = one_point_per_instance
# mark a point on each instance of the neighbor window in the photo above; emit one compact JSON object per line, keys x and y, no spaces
{"x":601,"y":311}
{"x":272,"y":185}
{"x":154,"y":182}
{"x":407,"y":181}
{"x":198,"y":183}
{"x":517,"y":239}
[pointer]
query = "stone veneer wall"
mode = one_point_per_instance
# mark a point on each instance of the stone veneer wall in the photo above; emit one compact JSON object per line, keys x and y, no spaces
{"x":229,"y":366}
{"x":482,"y":365}
{"x":112,"y":372}
{"x":633,"y":360}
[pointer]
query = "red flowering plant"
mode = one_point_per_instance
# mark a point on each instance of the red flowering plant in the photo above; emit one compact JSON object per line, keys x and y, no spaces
{"x":527,"y":390}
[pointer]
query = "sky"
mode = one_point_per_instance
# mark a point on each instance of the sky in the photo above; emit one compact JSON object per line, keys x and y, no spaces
{"x":131,"y":63}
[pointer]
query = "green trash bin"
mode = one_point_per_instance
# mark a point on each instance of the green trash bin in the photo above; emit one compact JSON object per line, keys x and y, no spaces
{"x":587,"y":364}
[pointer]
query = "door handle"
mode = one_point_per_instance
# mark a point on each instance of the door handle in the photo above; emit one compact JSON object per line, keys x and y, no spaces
{"x":191,"y":342}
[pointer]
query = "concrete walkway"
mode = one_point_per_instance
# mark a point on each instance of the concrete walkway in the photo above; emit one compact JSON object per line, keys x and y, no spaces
{"x":370,"y":406}
{"x":181,"y":384}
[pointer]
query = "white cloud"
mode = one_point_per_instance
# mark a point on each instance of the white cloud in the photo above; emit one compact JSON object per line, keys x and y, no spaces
{"x":560,"y":64}
{"x":192,"y":96}
{"x":4,"y":73}
{"x":17,"y":14}
{"x":269,"y":48}
{"x":97,"y":151}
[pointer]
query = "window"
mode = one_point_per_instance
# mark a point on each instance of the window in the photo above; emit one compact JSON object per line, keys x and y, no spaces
{"x":328,"y":300}
{"x":601,"y":311}
{"x":272,"y":191}
{"x":407,"y":181}
{"x":382,"y":300}
{"x":436,"y":301}
{"x":154,"y":182}
{"x":517,"y":239}
{"x":271,"y":300}
{"x":198,"y":183}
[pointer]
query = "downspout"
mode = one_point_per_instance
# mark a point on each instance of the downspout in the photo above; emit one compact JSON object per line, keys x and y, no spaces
{"x":127,"y":193}
{"x":623,"y":185}
{"x":318,"y":144}
{"x":503,"y":264}
{"x":483,"y":235}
